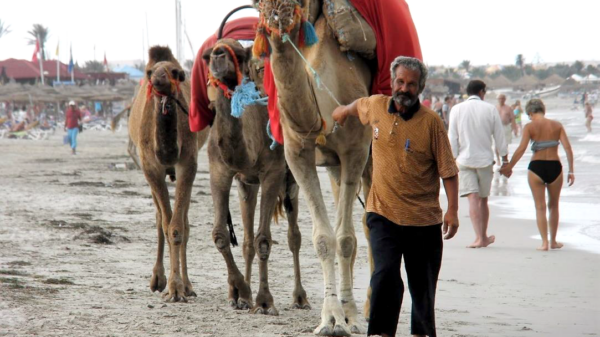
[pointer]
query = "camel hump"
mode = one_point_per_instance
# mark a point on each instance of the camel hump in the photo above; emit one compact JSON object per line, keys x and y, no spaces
{"x":159,"y":54}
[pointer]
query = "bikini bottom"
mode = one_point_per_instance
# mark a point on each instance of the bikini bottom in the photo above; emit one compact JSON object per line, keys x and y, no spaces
{"x":547,"y":170}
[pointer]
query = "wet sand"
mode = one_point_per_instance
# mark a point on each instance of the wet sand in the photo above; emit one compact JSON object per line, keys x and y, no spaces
{"x":78,"y":243}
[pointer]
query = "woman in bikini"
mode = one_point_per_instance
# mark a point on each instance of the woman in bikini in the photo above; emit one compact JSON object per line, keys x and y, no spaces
{"x":545,"y":169}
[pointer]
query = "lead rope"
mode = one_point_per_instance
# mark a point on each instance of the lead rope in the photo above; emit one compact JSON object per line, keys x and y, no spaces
{"x":286,"y":38}
{"x":320,"y":84}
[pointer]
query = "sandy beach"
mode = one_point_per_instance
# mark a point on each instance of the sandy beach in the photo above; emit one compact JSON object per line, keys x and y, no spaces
{"x":78,"y":242}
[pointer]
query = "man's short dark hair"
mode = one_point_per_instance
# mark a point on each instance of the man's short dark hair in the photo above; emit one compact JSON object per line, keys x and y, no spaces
{"x":474,"y":87}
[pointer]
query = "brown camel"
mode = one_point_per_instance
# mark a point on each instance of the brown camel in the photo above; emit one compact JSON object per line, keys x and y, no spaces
{"x":239,"y":148}
{"x":158,"y":126}
{"x":303,"y":109}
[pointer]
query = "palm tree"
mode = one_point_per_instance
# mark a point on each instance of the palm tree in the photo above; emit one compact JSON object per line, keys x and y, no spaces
{"x":520,"y":62}
{"x":466,"y":65}
{"x":4,"y":30}
{"x":40,"y":32}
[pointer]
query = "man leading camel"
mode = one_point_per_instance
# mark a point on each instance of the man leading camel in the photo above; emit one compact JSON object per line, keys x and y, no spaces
{"x":410,"y":153}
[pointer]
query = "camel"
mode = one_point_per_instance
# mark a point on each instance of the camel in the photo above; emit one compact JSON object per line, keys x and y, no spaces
{"x":238,"y":147}
{"x":305,"y":114}
{"x":158,"y":126}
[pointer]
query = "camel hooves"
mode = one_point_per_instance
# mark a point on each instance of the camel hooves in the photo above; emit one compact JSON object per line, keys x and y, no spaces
{"x":272,"y":311}
{"x":158,"y":283}
{"x":358,"y":329}
{"x":301,"y":306}
{"x":240,"y":304}
{"x":190,"y":293}
{"x":329,"y":330}
{"x":173,"y":298}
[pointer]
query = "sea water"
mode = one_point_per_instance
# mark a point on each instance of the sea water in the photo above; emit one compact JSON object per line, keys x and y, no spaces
{"x":579,"y":225}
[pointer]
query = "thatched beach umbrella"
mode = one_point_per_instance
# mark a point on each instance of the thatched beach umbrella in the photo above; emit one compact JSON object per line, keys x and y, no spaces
{"x":553,"y":79}
{"x":501,"y":82}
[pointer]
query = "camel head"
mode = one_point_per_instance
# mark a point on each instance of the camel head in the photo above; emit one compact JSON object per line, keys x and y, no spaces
{"x":164,"y":78}
{"x":227,"y":62}
{"x":279,"y":18}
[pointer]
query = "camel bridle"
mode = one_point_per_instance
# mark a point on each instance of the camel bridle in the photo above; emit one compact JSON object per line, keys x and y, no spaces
{"x":175,"y":89}
{"x":213,"y":81}
{"x":280,"y":10}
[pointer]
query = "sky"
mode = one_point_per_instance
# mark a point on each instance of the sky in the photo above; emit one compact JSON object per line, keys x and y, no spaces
{"x":450,"y":31}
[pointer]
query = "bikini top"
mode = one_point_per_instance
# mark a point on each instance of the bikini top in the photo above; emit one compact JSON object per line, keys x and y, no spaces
{"x":543,"y":144}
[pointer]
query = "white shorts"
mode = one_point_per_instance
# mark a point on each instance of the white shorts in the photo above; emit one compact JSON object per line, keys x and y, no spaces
{"x":508,"y":133}
{"x":475,"y":180}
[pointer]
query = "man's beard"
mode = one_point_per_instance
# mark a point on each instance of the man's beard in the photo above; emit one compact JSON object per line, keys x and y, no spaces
{"x":404,"y":99}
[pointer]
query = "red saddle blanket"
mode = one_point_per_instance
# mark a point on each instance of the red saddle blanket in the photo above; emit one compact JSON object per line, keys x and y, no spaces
{"x":396,"y":36}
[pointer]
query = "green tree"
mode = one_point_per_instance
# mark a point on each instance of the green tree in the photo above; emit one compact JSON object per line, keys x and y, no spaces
{"x":466,"y":65}
{"x":93,"y":67}
{"x":478,"y":72}
{"x":578,"y":66}
{"x":42,"y":33}
{"x":542,"y":74}
{"x":520,"y":62}
{"x":4,"y":30}
{"x":591,"y":70}
{"x":513,"y":73}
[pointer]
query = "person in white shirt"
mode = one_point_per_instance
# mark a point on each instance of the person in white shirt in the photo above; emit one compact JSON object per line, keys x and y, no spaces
{"x":473,"y":123}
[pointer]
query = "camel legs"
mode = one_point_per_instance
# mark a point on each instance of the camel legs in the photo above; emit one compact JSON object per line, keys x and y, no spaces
{"x":175,"y":288}
{"x":302,"y":164}
{"x":240,"y":296}
{"x":294,"y":240}
{"x":270,"y":186}
{"x":189,"y":291}
{"x":158,"y":282}
{"x":177,"y":231}
{"x":132,"y":149}
{"x":367,"y":179}
{"x":335,"y":174}
{"x":352,"y":167}
{"x":248,"y":198}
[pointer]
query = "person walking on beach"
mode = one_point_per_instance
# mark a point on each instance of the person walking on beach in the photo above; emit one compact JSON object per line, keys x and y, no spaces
{"x":545,"y":169}
{"x":473,"y":124}
{"x":72,"y":120}
{"x":518,"y":111}
{"x":507,"y":116}
{"x":446,"y":111}
{"x":588,"y":116}
{"x":411,"y":152}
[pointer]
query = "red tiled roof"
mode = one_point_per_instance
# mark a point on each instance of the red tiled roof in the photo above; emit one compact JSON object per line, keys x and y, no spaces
{"x":23,"y":69}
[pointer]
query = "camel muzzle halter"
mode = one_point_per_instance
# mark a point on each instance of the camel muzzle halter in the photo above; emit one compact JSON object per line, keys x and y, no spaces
{"x":175,"y":89}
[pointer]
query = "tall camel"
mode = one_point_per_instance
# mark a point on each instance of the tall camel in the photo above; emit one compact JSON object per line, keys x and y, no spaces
{"x":303,"y":108}
{"x":238,"y":147}
{"x":158,"y":126}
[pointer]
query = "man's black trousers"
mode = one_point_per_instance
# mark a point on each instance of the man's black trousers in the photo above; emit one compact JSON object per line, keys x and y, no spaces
{"x":421,"y":247}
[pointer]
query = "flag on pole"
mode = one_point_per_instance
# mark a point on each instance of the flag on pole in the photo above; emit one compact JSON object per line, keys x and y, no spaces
{"x":57,"y":44}
{"x":105,"y":63}
{"x":36,"y":51}
{"x":71,"y":65}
